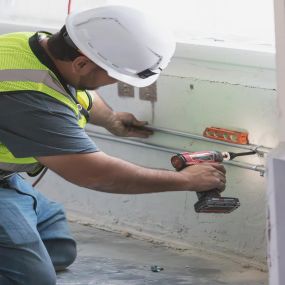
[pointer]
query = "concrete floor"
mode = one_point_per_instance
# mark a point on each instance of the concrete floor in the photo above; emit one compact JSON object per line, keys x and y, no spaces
{"x":106,"y":258}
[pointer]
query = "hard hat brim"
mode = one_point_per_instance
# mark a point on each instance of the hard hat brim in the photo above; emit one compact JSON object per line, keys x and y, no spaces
{"x":136,"y":82}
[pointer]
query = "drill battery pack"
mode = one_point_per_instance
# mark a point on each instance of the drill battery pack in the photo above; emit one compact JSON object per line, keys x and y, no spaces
{"x":216,"y":205}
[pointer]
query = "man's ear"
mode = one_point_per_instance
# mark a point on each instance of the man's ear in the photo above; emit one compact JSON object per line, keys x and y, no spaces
{"x":81,"y":65}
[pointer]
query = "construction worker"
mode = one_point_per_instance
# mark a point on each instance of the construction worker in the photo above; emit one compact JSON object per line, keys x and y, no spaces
{"x":43,"y":109}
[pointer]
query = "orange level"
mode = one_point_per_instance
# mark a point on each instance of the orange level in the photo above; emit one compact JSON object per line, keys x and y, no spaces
{"x":226,"y":135}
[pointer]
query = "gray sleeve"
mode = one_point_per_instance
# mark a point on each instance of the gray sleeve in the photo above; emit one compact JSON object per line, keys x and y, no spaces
{"x":34,"y":124}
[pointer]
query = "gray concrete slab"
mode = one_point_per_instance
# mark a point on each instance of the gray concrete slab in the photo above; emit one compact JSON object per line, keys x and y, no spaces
{"x":106,"y":258}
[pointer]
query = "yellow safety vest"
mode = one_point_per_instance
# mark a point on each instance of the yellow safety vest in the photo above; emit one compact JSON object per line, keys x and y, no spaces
{"x":20,"y":70}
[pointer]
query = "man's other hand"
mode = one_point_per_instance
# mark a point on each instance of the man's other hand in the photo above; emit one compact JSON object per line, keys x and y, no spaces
{"x":205,"y":176}
{"x":126,"y":125}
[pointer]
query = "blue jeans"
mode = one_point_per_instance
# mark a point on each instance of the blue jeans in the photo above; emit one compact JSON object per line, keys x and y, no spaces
{"x":35,"y":239}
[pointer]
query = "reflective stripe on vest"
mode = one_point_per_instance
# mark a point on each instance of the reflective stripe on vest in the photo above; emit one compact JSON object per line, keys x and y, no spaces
{"x":36,"y":80}
{"x":20,"y":70}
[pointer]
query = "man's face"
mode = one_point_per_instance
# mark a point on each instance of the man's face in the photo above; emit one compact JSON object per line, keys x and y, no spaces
{"x":96,"y":77}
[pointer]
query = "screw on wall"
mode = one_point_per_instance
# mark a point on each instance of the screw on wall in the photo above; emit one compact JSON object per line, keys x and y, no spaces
{"x":191,"y":86}
{"x":125,"y":90}
{"x":148,"y":93}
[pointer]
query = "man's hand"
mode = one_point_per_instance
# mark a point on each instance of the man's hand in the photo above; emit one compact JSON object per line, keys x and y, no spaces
{"x":126,"y":125}
{"x":205,"y":176}
{"x":118,"y":123}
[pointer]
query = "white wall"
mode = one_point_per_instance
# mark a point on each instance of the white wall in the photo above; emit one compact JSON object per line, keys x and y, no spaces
{"x":233,"y":88}
{"x":226,"y":95}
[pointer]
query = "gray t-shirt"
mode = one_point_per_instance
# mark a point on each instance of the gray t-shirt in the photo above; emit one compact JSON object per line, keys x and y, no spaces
{"x":34,"y":124}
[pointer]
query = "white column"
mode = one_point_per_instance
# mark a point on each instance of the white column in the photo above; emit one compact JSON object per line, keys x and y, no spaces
{"x":280,"y":63}
{"x":276,"y":215}
{"x":276,"y":164}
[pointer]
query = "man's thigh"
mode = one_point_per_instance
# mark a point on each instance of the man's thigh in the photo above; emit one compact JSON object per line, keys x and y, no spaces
{"x":51,"y":219}
{"x":24,"y":258}
{"x":55,"y":233}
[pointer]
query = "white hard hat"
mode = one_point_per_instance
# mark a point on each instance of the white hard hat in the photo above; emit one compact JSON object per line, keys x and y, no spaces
{"x":130,"y":46}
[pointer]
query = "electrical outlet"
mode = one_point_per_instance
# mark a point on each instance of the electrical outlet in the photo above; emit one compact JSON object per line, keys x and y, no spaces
{"x":149,"y":93}
{"x":125,"y":90}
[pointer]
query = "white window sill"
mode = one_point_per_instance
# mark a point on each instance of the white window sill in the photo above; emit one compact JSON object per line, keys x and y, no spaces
{"x":242,"y":54}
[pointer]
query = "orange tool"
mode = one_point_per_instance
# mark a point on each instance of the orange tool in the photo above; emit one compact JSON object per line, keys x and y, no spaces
{"x":226,"y":135}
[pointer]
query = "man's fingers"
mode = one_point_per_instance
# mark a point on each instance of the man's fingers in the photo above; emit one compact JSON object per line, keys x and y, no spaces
{"x":221,"y":183}
{"x":220,"y":176}
{"x":138,"y":123}
{"x":139,"y":132}
{"x":219,"y":167}
{"x":222,"y":186}
{"x":139,"y":129}
{"x":223,"y":179}
{"x":205,"y":176}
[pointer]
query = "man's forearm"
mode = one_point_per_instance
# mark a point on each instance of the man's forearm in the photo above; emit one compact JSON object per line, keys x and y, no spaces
{"x":122,"y":177}
{"x":101,"y":172}
{"x":101,"y":113}
{"x":105,"y":173}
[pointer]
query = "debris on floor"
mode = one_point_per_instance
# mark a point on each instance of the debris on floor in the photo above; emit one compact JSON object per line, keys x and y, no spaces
{"x":156,"y":268}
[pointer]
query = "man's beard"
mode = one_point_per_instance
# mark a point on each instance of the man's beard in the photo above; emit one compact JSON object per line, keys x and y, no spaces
{"x":81,"y":87}
{"x":85,"y":86}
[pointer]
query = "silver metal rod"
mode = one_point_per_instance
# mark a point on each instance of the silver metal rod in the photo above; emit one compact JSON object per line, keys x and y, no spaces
{"x":133,"y":142}
{"x":258,"y":148}
{"x":259,"y":168}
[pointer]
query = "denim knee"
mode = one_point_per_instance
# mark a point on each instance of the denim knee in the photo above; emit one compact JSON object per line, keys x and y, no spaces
{"x":61,"y":251}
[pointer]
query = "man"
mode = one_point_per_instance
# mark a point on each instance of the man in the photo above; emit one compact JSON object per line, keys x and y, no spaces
{"x":42,"y":115}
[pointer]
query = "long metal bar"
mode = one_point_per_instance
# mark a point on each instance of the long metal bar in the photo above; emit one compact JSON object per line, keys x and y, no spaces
{"x":258,"y":148}
{"x":259,"y":168}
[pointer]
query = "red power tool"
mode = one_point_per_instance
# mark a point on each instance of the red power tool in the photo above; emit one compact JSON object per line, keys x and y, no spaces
{"x":209,"y":201}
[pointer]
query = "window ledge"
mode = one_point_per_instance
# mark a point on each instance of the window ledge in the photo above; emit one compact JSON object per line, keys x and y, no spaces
{"x":260,"y":56}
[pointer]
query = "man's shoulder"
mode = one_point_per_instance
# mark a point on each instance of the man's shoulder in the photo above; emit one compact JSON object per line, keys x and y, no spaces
{"x":36,"y":124}
{"x":31,"y":100}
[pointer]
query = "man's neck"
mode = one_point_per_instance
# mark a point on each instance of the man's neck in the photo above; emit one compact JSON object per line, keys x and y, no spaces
{"x":63,"y":67}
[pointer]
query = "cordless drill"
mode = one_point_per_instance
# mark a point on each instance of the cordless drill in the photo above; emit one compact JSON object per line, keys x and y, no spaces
{"x":208,"y":201}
